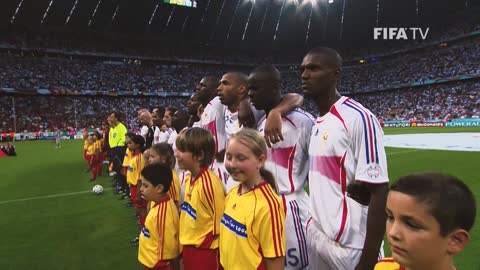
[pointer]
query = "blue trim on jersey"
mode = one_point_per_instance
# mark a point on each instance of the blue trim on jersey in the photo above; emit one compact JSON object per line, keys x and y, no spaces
{"x":145,"y":232}
{"x":364,"y":130}
{"x":303,"y":246}
{"x":308,"y":115}
{"x":375,"y":139}
{"x":301,"y":240}
{"x":189,"y":210}
{"x":234,"y":226}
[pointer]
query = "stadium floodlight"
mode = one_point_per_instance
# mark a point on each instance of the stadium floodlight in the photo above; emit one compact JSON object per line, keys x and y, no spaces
{"x":331,"y":1}
{"x":16,"y":11}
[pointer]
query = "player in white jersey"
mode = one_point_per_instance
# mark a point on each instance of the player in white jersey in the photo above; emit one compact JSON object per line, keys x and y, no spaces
{"x":286,"y":160}
{"x":348,"y":172}
{"x":213,"y":114}
{"x":144,"y":128}
{"x":193,"y":105}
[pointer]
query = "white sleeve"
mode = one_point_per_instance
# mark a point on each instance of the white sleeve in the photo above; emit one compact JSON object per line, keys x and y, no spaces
{"x":369,"y":151}
{"x":144,"y":131}
{"x":163,"y":136}
{"x":156,"y":135}
{"x":172,"y":138}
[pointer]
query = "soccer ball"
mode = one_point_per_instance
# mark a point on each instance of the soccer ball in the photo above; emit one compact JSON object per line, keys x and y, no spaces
{"x":97,"y":189}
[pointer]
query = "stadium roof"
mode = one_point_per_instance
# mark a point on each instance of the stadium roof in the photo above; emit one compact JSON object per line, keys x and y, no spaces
{"x":253,"y":23}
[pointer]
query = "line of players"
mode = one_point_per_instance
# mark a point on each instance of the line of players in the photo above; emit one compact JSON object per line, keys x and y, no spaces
{"x":339,"y":226}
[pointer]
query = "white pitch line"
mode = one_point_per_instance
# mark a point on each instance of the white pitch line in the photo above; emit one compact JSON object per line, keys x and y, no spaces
{"x":404,"y":152}
{"x":49,"y":196}
{"x":87,"y":191}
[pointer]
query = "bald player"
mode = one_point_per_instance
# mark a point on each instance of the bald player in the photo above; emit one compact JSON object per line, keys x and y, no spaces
{"x":231,"y":91}
{"x":144,"y":128}
{"x":348,"y":176}
{"x":146,"y":119}
{"x":287,"y":160}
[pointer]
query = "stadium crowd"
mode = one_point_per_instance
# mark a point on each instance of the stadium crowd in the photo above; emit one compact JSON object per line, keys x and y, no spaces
{"x":457,"y":100}
{"x":29,"y":72}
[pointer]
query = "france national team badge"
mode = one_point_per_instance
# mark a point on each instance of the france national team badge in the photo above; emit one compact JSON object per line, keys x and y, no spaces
{"x":325,"y":136}
{"x":373,"y":170}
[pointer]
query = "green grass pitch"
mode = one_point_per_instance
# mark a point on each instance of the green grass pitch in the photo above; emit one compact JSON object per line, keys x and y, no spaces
{"x":75,"y":229}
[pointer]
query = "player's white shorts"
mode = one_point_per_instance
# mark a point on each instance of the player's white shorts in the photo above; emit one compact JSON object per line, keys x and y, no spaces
{"x":296,"y":206}
{"x":326,"y":254}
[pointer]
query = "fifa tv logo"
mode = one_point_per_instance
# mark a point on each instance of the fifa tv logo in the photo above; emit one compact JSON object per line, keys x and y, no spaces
{"x":398,"y":33}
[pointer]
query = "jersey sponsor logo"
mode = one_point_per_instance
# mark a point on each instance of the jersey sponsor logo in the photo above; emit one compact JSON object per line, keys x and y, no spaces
{"x":234,"y":226}
{"x":373,"y":170}
{"x":130,"y":169}
{"x":145,"y":232}
{"x":189,"y":210}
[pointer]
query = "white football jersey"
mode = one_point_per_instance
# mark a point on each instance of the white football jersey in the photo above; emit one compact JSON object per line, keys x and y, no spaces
{"x":288,"y":159}
{"x":144,"y":131}
{"x":346,"y":145}
{"x":213,"y":119}
{"x":232,"y":124}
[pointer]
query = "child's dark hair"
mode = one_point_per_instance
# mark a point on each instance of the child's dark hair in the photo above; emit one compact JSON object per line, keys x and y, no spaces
{"x":165,"y":150}
{"x":158,"y":174}
{"x":198,"y":141}
{"x":256,"y":143}
{"x":139,"y":140}
{"x":98,"y":134}
{"x":448,"y":199}
{"x":129,"y":135}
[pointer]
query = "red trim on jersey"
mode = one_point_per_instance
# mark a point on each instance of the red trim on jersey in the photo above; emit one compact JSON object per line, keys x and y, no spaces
{"x":206,"y":190}
{"x":343,"y":179}
{"x":166,"y":198}
{"x":290,"y":168}
{"x":335,"y":112}
{"x":200,"y":173}
{"x":161,"y":213}
{"x":212,"y":127}
{"x":207,"y":242}
{"x":289,"y":120}
{"x":208,"y":181}
{"x":274,"y":205}
{"x":261,"y":184}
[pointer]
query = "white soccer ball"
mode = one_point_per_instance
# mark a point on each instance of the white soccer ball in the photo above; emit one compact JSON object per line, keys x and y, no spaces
{"x":97,"y":189}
